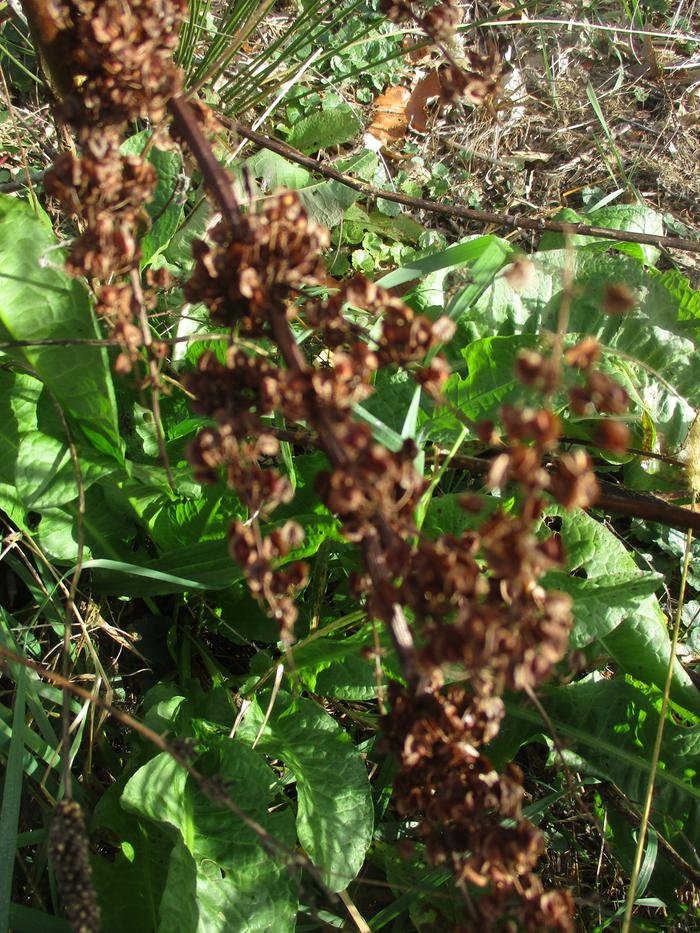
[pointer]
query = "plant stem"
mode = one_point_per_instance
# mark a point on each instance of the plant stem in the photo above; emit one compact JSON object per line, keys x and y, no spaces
{"x":456,"y":210}
{"x":632,"y":890}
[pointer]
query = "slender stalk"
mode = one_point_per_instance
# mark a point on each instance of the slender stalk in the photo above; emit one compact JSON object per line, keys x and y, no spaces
{"x":646,"y":811}
{"x":516,"y":221}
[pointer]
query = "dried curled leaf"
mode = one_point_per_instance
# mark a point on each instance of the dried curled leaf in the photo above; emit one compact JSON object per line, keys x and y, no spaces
{"x":390,"y":118}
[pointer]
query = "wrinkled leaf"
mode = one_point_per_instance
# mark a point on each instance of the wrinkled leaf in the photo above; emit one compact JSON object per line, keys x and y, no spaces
{"x":165,"y":208}
{"x":325,"y":128}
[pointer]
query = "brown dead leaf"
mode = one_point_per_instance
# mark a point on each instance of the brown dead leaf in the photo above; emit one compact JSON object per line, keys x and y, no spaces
{"x":390,"y":117}
{"x":427,"y":89}
{"x":413,"y":55}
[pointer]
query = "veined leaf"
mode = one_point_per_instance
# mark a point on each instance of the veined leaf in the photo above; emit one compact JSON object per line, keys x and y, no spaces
{"x":651,"y":340}
{"x":325,"y":128}
{"x":335,"y":815}
{"x":640,"y":644}
{"x":602,"y":603}
{"x":45,"y":474}
{"x":39,"y":301}
{"x":239,"y":886}
{"x":608,"y":728}
{"x":165,"y":208}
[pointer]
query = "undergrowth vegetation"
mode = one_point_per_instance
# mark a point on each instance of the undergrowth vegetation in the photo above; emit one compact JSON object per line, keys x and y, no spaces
{"x":347,"y":576}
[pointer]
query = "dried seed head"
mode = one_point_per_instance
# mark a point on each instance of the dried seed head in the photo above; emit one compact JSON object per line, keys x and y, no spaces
{"x":584,"y":354}
{"x":441,"y":22}
{"x":618,"y":298}
{"x":70,"y":857}
{"x":573,"y":483}
{"x":613,"y":436}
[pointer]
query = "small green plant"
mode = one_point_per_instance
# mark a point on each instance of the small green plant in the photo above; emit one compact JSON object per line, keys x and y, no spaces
{"x":269,"y":742}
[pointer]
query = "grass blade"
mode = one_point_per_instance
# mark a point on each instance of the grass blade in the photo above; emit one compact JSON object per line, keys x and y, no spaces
{"x":11,"y":796}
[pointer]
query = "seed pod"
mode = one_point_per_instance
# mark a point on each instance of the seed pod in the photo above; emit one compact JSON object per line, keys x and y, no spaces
{"x":69,"y":852}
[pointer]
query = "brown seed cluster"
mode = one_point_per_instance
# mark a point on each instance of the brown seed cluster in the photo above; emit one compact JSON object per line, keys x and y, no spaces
{"x":115,"y":66}
{"x":249,"y":279}
{"x":476,"y":601}
{"x":275,"y":251}
{"x":69,"y":851}
{"x":476,"y":76}
{"x":118,"y":55}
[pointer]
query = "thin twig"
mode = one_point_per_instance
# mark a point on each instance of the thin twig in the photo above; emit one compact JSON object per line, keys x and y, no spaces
{"x":515,"y":221}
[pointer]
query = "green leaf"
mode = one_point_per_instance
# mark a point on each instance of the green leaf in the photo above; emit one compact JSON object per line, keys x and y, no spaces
{"x":177,"y":912}
{"x":28,"y":920}
{"x":207,"y":565}
{"x":39,"y":301}
{"x":45,"y":474}
{"x":325,"y":128}
{"x":686,"y":297}
{"x":632,"y":217}
{"x":333,"y":667}
{"x":335,"y":815}
{"x":446,"y":516}
{"x":608,"y":728}
{"x":325,"y":201}
{"x":490,"y":380}
{"x":131,"y":884}
{"x":640,"y":644}
{"x":165,"y":208}
{"x":277,"y":172}
{"x":471,"y":251}
{"x":653,"y":344}
{"x":602,"y":603}
{"x":19,"y":394}
{"x":239,"y":886}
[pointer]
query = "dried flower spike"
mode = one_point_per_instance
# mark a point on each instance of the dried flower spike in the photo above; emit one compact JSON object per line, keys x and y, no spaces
{"x":70,"y":856}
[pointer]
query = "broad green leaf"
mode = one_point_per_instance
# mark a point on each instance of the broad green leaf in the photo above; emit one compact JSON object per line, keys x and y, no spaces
{"x":326,"y":201}
{"x":608,"y":728}
{"x":602,"y":603}
{"x":490,"y":377}
{"x":335,"y":815}
{"x":106,"y":533}
{"x":39,"y":301}
{"x":277,"y":172}
{"x":239,"y":886}
{"x":640,"y":644}
{"x":633,"y":217}
{"x":446,"y":516}
{"x":687,"y":298}
{"x":19,"y":394}
{"x":165,"y":208}
{"x":333,"y":667}
{"x":29,"y":920}
{"x":178,"y":911}
{"x":325,"y":128}
{"x":651,"y":341}
{"x":45,"y":473}
{"x":129,"y":885}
